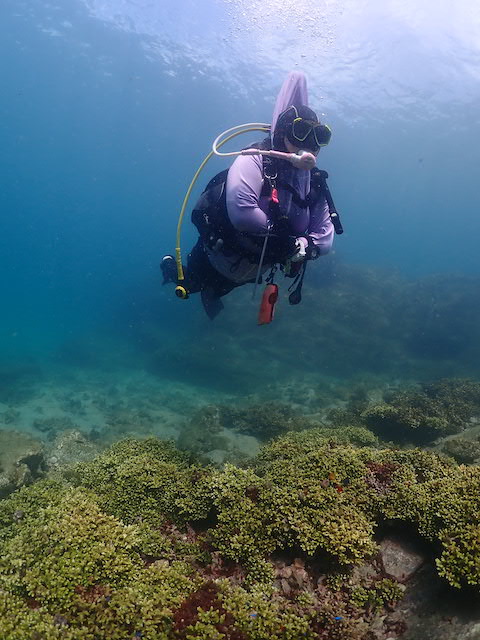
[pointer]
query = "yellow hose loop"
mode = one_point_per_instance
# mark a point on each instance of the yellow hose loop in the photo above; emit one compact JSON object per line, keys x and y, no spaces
{"x":178,"y":253}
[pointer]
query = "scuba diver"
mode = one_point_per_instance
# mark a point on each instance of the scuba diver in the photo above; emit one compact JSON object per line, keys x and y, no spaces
{"x":271,"y":210}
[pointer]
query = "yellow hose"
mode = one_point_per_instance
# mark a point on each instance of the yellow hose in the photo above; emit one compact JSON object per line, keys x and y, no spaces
{"x":178,"y":253}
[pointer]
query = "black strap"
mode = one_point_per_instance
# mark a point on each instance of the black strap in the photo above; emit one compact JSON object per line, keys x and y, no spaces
{"x":303,"y":203}
{"x":319,"y":181}
{"x":296,"y":295}
{"x":318,"y":188}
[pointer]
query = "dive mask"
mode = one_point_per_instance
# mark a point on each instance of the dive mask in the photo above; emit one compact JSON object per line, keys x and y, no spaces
{"x":302,"y":129}
{"x":301,"y":126}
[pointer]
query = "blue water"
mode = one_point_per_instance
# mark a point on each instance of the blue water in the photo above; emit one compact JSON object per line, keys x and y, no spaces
{"x":107,"y":108}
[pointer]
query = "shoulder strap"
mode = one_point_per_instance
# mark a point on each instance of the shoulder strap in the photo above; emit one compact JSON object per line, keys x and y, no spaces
{"x":319,"y":184}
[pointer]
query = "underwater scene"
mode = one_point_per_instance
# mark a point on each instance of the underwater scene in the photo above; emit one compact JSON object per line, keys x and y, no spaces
{"x":246,"y":408}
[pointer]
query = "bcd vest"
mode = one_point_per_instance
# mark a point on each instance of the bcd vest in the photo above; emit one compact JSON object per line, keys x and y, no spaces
{"x":211,"y":218}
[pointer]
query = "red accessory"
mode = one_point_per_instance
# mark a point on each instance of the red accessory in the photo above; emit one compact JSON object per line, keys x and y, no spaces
{"x":275,"y":196}
{"x":267,"y":305}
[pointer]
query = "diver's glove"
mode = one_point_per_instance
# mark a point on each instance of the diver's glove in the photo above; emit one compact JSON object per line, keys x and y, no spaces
{"x":300,"y":254}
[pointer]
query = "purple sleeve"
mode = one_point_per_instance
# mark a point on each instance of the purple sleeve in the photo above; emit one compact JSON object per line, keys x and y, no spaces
{"x":321,"y":229}
{"x":244,"y":186}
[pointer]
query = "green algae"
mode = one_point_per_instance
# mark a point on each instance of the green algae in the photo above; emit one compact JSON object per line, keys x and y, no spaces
{"x":142,"y":543}
{"x":149,"y":481}
{"x":421,"y":415}
{"x":462,"y":450}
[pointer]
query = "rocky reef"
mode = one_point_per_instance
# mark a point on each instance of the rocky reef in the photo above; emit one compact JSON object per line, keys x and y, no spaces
{"x":417,"y":414}
{"x":324,"y":535}
{"x":463,"y":450}
{"x":352,"y":319}
{"x":21,"y":460}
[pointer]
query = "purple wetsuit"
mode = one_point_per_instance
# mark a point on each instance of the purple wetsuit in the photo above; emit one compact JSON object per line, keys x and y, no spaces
{"x":248,"y":209}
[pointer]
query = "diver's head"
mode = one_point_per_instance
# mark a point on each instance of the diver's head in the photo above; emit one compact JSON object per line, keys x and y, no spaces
{"x":299,"y":128}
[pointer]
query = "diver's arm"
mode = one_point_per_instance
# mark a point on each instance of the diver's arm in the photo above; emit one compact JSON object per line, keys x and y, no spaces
{"x":243,"y":189}
{"x":320,"y":229}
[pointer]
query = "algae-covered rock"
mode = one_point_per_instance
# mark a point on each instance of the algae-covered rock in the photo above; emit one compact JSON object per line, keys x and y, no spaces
{"x":21,"y":460}
{"x":70,"y":447}
{"x":463,"y":450}
{"x":207,"y":437}
{"x":420,"y":416}
{"x":402,"y":421}
{"x":296,"y":443}
{"x":70,"y":567}
{"x":147,"y":480}
{"x":460,"y":559}
{"x":264,"y":421}
{"x":27,"y":502}
{"x":203,"y":432}
{"x":72,"y":545}
{"x":141,"y":543}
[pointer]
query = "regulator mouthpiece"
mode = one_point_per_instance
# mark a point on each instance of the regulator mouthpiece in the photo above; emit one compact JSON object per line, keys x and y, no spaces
{"x":302,"y":160}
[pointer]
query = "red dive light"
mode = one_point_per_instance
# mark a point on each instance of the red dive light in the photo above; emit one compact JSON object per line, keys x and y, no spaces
{"x":267,"y":305}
